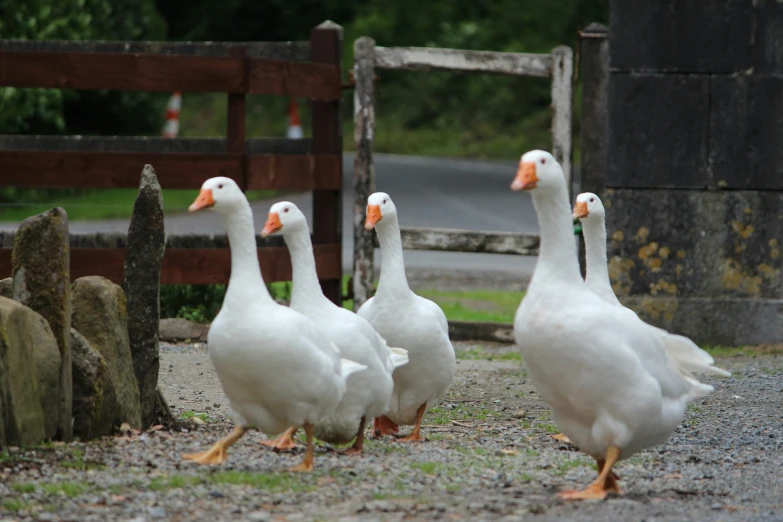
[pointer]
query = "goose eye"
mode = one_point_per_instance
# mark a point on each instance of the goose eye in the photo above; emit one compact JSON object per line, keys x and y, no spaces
{"x":592,"y":200}
{"x":220,"y":186}
{"x":543,"y":161}
{"x":285,"y":209}
{"x":384,"y":201}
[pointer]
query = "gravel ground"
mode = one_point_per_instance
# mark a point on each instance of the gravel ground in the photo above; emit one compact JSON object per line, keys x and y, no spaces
{"x":489,"y":456}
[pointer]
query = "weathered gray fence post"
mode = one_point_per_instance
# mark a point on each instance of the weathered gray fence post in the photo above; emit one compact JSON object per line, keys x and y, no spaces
{"x":562,"y":97}
{"x":141,"y":284}
{"x":364,"y":169}
{"x":594,"y":72}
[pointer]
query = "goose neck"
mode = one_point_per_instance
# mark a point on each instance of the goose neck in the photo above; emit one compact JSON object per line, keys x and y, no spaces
{"x":246,"y":280}
{"x":306,"y":287}
{"x":393,"y":277}
{"x":595,"y":253}
{"x":557,"y":257}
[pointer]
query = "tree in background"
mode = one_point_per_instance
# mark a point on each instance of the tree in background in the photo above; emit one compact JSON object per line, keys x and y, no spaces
{"x":52,"y":111}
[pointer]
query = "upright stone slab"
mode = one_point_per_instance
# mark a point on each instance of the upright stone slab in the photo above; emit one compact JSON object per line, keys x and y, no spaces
{"x":7,"y":287}
{"x":29,"y":376}
{"x":41,"y":274}
{"x":100,"y":315}
{"x":94,"y":402}
{"x":141,"y":283}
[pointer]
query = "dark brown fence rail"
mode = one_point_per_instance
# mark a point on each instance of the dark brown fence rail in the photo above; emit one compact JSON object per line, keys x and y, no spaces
{"x":296,"y":69}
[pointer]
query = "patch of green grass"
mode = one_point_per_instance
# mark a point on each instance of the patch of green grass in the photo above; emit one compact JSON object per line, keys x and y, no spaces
{"x":565,"y":465}
{"x":68,"y":488}
{"x":23,"y":487}
{"x":77,"y":461}
{"x":94,"y":204}
{"x":548,"y":427}
{"x":478,"y":352}
{"x":265,"y":481}
{"x":434,"y":468}
{"x":730,"y":351}
{"x":14,"y":504}
{"x":476,"y":305}
{"x":189,"y":414}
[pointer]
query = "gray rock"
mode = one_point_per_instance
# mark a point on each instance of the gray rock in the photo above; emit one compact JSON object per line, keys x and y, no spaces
{"x":705,"y":264}
{"x":25,"y":340}
{"x":670,"y":151}
{"x":41,"y":279}
{"x":141,"y":284}
{"x":94,"y":401}
{"x":100,"y":315}
{"x":662,"y":35}
{"x":745,"y":124}
{"x":7,"y":287}
{"x":173,"y":330}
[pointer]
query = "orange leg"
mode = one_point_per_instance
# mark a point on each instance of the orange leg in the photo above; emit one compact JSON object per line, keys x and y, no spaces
{"x":217,"y":453}
{"x":307,"y":463}
{"x":561,"y":437}
{"x":383,"y":425}
{"x":415,"y":435}
{"x":283,"y":442}
{"x":358,"y":444}
{"x":605,"y":482}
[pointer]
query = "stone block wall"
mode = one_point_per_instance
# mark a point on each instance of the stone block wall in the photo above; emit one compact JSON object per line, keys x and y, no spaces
{"x":694,"y":172}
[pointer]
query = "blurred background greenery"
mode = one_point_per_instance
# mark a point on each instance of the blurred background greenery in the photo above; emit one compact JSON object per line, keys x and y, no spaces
{"x":434,"y":113}
{"x":420,"y":113}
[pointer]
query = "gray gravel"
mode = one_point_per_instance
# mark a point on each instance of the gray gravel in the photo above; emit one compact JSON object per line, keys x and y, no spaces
{"x":489,"y":457}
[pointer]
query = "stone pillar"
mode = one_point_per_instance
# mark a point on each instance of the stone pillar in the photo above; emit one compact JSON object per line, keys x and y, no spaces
{"x":695,"y":168}
{"x":41,"y":281}
{"x":141,"y":284}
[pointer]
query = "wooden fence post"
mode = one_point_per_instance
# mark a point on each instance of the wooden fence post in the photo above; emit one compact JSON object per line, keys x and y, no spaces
{"x":326,"y":46}
{"x":363,"y":167}
{"x":562,"y":97}
{"x":594,"y":71}
{"x":235,"y":121}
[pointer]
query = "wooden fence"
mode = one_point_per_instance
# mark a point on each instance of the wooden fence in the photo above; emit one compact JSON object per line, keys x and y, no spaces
{"x":367,"y":57}
{"x":310,"y":69}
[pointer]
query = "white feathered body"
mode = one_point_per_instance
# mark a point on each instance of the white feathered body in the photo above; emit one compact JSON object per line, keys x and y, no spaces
{"x":419,"y":326}
{"x":605,"y":374}
{"x":276,"y":368}
{"x":368,"y":392}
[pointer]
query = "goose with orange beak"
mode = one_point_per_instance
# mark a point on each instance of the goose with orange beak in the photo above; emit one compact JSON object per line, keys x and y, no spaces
{"x":409,"y":321}
{"x":276,"y":366}
{"x":369,"y":392}
{"x":591,"y":212}
{"x":613,"y":388}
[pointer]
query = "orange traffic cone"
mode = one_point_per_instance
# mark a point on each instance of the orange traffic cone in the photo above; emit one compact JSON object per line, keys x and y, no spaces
{"x":171,"y":125}
{"x":294,"y":128}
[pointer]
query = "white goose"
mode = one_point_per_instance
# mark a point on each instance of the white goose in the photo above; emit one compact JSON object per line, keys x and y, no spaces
{"x":612,"y":387}
{"x":407,"y":320}
{"x":276,"y":367}
{"x":591,"y":213}
{"x":369,"y":392}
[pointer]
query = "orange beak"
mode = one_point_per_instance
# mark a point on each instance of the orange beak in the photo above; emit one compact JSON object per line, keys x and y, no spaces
{"x":373,"y":216}
{"x":526,"y":176}
{"x":272,"y":224}
{"x":204,"y":200}
{"x":580,"y":210}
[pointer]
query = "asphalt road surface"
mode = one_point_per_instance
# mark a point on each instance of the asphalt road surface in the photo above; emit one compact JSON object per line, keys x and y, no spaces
{"x":428,"y":192}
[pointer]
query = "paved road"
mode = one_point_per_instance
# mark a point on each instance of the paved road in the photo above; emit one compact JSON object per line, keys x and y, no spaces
{"x":428,"y":192}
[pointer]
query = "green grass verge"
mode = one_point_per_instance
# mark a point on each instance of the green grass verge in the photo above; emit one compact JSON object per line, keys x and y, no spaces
{"x":106,"y":203}
{"x":476,"y":305}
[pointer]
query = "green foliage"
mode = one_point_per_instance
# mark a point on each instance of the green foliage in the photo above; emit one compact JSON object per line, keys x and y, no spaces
{"x":51,"y":111}
{"x":201,"y":303}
